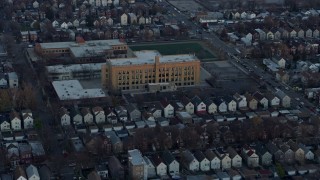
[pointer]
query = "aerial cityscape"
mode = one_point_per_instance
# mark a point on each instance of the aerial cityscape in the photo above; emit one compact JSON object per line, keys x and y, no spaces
{"x":159,"y":89}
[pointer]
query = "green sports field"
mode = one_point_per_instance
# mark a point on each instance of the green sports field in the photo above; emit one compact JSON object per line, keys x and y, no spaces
{"x":177,"y":48}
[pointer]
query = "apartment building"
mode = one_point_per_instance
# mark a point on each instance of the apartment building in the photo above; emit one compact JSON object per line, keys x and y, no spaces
{"x":137,"y":166}
{"x":149,"y":67}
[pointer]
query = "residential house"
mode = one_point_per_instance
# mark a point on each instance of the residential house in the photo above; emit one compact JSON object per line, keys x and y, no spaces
{"x":141,"y":20}
{"x":122,"y":113}
{"x":64,"y":116}
{"x":4,"y":123}
{"x":273,"y":100}
{"x":87,"y":115}
{"x":281,"y":62}
{"x":199,"y":105}
{"x":215,"y":162}
{"x":32,"y":172}
{"x":136,"y":165}
{"x":277,"y":154}
{"x":161,"y":167}
{"x":117,"y":169}
{"x":99,"y":115}
{"x":13,"y":80}
{"x":117,"y":145}
{"x":111,"y":116}
{"x":292,"y":33}
{"x":24,"y":36}
{"x":188,"y":106}
{"x":284,"y":99}
{"x":261,"y":99}
{"x":189,"y":161}
{"x":204,"y":163}
{"x":25,"y":152}
{"x":276,"y":34}
{"x":155,"y":109}
{"x":211,"y":106}
{"x":45,"y":172}
{"x":3,"y":81}
{"x":282,"y":76}
{"x":134,"y":113}
{"x":241,"y":101}
{"x":315,"y":33}
{"x":298,"y":152}
{"x":250,"y":156}
{"x":132,"y":18}
{"x":231,"y":103}
{"x":168,"y":109}
{"x":288,"y":153}
{"x":252,"y":102}
{"x":150,"y":168}
{"x":19,"y":173}
{"x":76,"y":116}
{"x":270,"y":35}
{"x":262,"y":34}
{"x":284,"y":33}
{"x":15,"y":120}
{"x":309,"y":33}
{"x":308,"y":154}
{"x":300,"y":33}
{"x":27,"y":119}
{"x":12,"y":153}
{"x":265,"y":157}
{"x":102,"y":171}
{"x":172,"y":164}
{"x":124,"y":19}
{"x":224,"y":159}
{"x":236,"y":160}
{"x":221,"y":105}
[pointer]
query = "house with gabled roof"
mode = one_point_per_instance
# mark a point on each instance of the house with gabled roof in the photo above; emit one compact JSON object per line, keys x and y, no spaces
{"x":122,"y":113}
{"x":111,"y":116}
{"x":188,"y":105}
{"x":241,"y":101}
{"x":221,"y":105}
{"x":32,"y":172}
{"x":284,"y":98}
{"x":199,"y":105}
{"x":231,"y":103}
{"x":172,"y":164}
{"x":263,"y":101}
{"x":167,"y":108}
{"x":215,"y":162}
{"x":250,"y":157}
{"x":19,"y":173}
{"x":273,"y":100}
{"x":236,"y":160}
{"x":161,"y":167}
{"x":15,"y":120}
{"x":252,"y":102}
{"x":13,"y":153}
{"x":288,"y":153}
{"x":99,"y":115}
{"x":224,"y":159}
{"x":211,"y":106}
{"x":27,"y":118}
{"x":189,"y":161}
{"x":298,"y":152}
{"x":87,"y":115}
{"x":151,"y":169}
{"x":133,"y":112}
{"x":4,"y":123}
{"x":204,"y":163}
{"x":265,"y":157}
{"x":76,"y":116}
{"x":64,"y":116}
{"x":308,"y":154}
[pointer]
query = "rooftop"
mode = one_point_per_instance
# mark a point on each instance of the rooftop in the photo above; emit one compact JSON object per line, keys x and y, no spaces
{"x":72,"y":90}
{"x":148,"y":57}
{"x":94,"y":43}
{"x":136,"y":157}
{"x":74,"y":68}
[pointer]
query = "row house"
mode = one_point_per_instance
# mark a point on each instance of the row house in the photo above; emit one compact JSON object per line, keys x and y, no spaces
{"x":250,"y":157}
{"x":17,"y":120}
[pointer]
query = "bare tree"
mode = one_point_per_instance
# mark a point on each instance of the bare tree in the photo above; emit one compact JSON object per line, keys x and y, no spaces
{"x":5,"y":99}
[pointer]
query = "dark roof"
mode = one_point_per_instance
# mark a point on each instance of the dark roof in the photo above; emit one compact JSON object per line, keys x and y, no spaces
{"x":167,"y":157}
{"x":156,"y":160}
{"x":196,"y":100}
{"x":199,"y":155}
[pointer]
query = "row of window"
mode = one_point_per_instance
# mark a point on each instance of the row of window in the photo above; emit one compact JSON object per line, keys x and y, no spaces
{"x":127,"y":87}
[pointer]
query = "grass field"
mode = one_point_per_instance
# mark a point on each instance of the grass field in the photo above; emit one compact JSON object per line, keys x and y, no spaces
{"x":177,"y":48}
